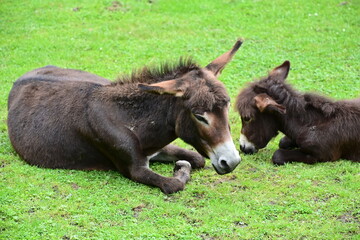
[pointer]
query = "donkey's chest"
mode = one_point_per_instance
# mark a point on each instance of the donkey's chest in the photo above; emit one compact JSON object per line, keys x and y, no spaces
{"x":152,"y":134}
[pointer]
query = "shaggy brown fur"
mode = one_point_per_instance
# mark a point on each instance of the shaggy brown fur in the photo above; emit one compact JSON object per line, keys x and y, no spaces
{"x":63,"y":118}
{"x":317,"y":128}
{"x":165,"y":71}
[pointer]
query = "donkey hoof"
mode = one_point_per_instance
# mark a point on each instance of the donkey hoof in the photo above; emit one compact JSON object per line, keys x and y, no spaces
{"x":277,"y":159}
{"x":172,"y":186}
{"x":182,"y":164}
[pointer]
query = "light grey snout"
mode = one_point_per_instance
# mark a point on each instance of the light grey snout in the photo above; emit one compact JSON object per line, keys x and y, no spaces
{"x":246,"y":146}
{"x":225,"y":157}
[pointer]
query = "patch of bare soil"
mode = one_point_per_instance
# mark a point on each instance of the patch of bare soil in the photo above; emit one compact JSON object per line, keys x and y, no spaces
{"x":349,"y":217}
{"x":117,"y":6}
{"x":138,"y":209}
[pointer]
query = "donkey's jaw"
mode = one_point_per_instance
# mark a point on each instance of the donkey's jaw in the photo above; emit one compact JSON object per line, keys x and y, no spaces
{"x":246,"y":146}
{"x":224,"y":157}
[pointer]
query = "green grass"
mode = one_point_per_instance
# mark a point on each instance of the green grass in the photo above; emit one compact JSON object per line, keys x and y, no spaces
{"x":257,"y":200}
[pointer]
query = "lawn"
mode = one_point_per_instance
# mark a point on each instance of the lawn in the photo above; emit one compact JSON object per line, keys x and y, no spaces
{"x":256,"y":201}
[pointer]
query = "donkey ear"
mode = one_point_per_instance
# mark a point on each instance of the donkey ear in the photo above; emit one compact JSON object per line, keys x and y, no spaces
{"x":281,"y":72}
{"x":219,"y":63}
{"x":172,"y":87}
{"x":264,"y":102}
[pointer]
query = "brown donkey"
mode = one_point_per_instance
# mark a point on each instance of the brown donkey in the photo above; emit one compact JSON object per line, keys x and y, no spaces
{"x":63,"y":118}
{"x":317,"y":129}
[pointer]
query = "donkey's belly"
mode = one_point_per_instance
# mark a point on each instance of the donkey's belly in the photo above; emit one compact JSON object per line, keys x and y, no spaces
{"x":50,"y":143}
{"x":352,"y":154}
{"x":72,"y":153}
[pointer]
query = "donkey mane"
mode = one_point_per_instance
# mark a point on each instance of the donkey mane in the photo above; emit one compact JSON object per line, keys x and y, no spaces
{"x":296,"y":103}
{"x":212,"y":96}
{"x":163,"y":72}
{"x":300,"y":103}
{"x":281,"y":92}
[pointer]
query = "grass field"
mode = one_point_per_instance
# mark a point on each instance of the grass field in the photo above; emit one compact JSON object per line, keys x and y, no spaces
{"x":257,"y":200}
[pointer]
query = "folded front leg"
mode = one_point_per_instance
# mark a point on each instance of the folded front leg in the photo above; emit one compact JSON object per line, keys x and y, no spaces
{"x":172,"y":153}
{"x":167,"y":185}
{"x":287,"y":143}
{"x":124,"y":150}
{"x":282,"y":156}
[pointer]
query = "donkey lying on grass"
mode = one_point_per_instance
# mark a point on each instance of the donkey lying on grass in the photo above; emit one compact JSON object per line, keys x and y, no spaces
{"x":63,"y":118}
{"x":316,"y":128}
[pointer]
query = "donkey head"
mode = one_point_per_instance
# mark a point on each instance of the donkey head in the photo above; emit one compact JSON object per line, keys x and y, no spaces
{"x":201,"y":117}
{"x":259,"y":112}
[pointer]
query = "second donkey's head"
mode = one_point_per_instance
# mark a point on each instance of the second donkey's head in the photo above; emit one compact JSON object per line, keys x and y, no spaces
{"x":260,"y":110}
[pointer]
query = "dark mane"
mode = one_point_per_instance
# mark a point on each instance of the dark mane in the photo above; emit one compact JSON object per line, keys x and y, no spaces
{"x":165,"y":71}
{"x":281,"y":92}
{"x":285,"y":95}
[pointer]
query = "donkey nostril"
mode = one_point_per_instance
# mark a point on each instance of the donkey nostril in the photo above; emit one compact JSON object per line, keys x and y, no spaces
{"x":224,"y":164}
{"x":242,"y":148}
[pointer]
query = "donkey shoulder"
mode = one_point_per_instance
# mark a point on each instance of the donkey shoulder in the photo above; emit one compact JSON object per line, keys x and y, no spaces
{"x":324,"y":105}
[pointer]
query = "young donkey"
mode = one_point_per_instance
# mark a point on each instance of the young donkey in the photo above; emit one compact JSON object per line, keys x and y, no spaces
{"x":63,"y":118}
{"x":316,"y":128}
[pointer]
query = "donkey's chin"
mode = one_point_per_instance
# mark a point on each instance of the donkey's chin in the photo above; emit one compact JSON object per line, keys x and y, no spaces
{"x":221,"y":171}
{"x":248,"y":150}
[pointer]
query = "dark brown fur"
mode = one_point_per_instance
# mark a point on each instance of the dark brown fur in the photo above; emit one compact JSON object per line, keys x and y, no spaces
{"x":63,"y":118}
{"x":316,"y":128}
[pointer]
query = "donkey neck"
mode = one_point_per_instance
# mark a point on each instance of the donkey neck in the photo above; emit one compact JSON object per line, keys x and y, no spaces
{"x":303,"y":111}
{"x":294,"y":102}
{"x":149,"y":116}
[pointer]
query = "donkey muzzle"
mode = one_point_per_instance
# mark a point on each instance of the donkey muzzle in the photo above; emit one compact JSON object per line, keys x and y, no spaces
{"x":246,"y":146}
{"x":225,"y":157}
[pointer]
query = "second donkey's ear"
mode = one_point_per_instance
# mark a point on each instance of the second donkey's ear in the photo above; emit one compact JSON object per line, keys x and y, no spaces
{"x":265,"y":102}
{"x":172,"y":87}
{"x":281,"y":72}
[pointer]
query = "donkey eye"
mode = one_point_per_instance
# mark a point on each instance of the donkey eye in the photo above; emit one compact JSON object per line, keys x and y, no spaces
{"x":246,"y":119}
{"x":201,"y":118}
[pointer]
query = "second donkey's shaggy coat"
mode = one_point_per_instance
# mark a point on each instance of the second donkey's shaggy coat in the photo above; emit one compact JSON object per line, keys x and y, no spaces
{"x":317,"y":129}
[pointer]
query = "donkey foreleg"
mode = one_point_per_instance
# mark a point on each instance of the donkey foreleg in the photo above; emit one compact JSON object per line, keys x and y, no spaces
{"x":167,"y":185}
{"x":282,"y":156}
{"x":172,"y":153}
{"x":123,"y":148}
